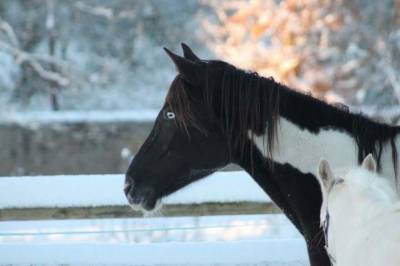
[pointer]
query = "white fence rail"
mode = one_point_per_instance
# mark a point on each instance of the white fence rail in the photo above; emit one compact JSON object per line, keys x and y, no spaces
{"x":81,"y":196}
{"x":106,"y":190}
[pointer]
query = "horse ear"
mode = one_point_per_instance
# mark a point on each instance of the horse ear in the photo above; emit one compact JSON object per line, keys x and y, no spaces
{"x":369,"y":163}
{"x":188,"y":69}
{"x":188,"y":53}
{"x":325,"y":174}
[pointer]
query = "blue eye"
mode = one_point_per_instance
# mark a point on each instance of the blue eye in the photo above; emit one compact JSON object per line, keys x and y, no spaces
{"x":170,"y":115}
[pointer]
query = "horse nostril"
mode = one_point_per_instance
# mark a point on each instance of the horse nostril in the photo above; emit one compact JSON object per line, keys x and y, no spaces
{"x":128,"y":186}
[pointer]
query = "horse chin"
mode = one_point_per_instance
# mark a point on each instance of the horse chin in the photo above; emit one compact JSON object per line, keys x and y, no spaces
{"x":148,"y":208}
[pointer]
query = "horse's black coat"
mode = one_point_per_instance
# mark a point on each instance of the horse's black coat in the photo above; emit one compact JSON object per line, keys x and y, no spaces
{"x":216,"y":106}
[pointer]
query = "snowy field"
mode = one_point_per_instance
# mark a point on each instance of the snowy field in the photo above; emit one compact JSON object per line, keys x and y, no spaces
{"x":208,"y":240}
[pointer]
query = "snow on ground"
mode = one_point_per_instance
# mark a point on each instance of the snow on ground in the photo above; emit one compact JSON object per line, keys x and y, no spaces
{"x":273,"y":253}
{"x":217,"y":240}
{"x":106,"y":190}
{"x":93,"y":116}
{"x":175,"y":241}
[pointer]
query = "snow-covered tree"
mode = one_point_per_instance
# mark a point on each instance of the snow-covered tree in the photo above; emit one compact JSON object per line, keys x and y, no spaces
{"x":335,"y":49}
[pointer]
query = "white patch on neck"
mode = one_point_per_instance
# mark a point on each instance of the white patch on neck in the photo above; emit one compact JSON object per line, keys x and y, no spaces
{"x":303,"y":149}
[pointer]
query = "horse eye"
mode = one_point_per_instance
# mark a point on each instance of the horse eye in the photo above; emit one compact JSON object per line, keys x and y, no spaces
{"x":170,"y":115}
{"x":338,"y":181}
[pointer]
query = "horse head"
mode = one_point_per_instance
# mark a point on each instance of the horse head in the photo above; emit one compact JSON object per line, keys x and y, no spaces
{"x":350,"y":200}
{"x":186,"y":142}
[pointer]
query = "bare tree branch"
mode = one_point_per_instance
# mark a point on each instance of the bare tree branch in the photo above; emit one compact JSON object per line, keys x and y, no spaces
{"x":103,"y":11}
{"x":6,"y":27}
{"x":24,"y":57}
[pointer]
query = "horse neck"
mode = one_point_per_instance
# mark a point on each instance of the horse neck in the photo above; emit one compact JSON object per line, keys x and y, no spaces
{"x":352,"y":223}
{"x":341,"y":226}
{"x":303,"y":149}
{"x":309,"y":129}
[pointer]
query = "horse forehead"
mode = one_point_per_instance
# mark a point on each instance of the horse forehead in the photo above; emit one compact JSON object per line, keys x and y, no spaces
{"x":359,"y":178}
{"x":361,"y":184}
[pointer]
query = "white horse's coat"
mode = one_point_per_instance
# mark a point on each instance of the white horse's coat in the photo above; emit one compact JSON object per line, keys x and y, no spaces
{"x":303,"y":149}
{"x":364,"y":211}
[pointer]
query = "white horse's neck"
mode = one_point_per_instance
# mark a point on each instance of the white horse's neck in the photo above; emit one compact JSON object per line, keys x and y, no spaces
{"x":303,"y":149}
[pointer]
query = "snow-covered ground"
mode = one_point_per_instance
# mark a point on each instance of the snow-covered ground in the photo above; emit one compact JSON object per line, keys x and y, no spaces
{"x":106,"y":190}
{"x":218,"y":240}
{"x":209,"y":240}
{"x":92,"y":116}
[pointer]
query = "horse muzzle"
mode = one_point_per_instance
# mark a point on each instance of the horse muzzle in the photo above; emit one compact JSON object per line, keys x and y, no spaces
{"x":139,"y":198}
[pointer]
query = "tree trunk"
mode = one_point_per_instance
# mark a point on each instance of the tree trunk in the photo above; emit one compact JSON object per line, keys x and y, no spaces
{"x":50,"y":26}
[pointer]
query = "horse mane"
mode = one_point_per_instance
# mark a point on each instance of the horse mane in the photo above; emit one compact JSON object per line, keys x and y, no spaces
{"x":248,"y":105}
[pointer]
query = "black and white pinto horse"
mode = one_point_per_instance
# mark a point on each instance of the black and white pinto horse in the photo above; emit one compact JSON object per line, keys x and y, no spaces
{"x":216,"y":114}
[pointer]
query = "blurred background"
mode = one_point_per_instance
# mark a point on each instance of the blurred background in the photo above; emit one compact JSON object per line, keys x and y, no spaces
{"x":63,"y":62}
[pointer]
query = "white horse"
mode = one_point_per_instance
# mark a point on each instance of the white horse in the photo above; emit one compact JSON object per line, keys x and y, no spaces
{"x":360,"y":216}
